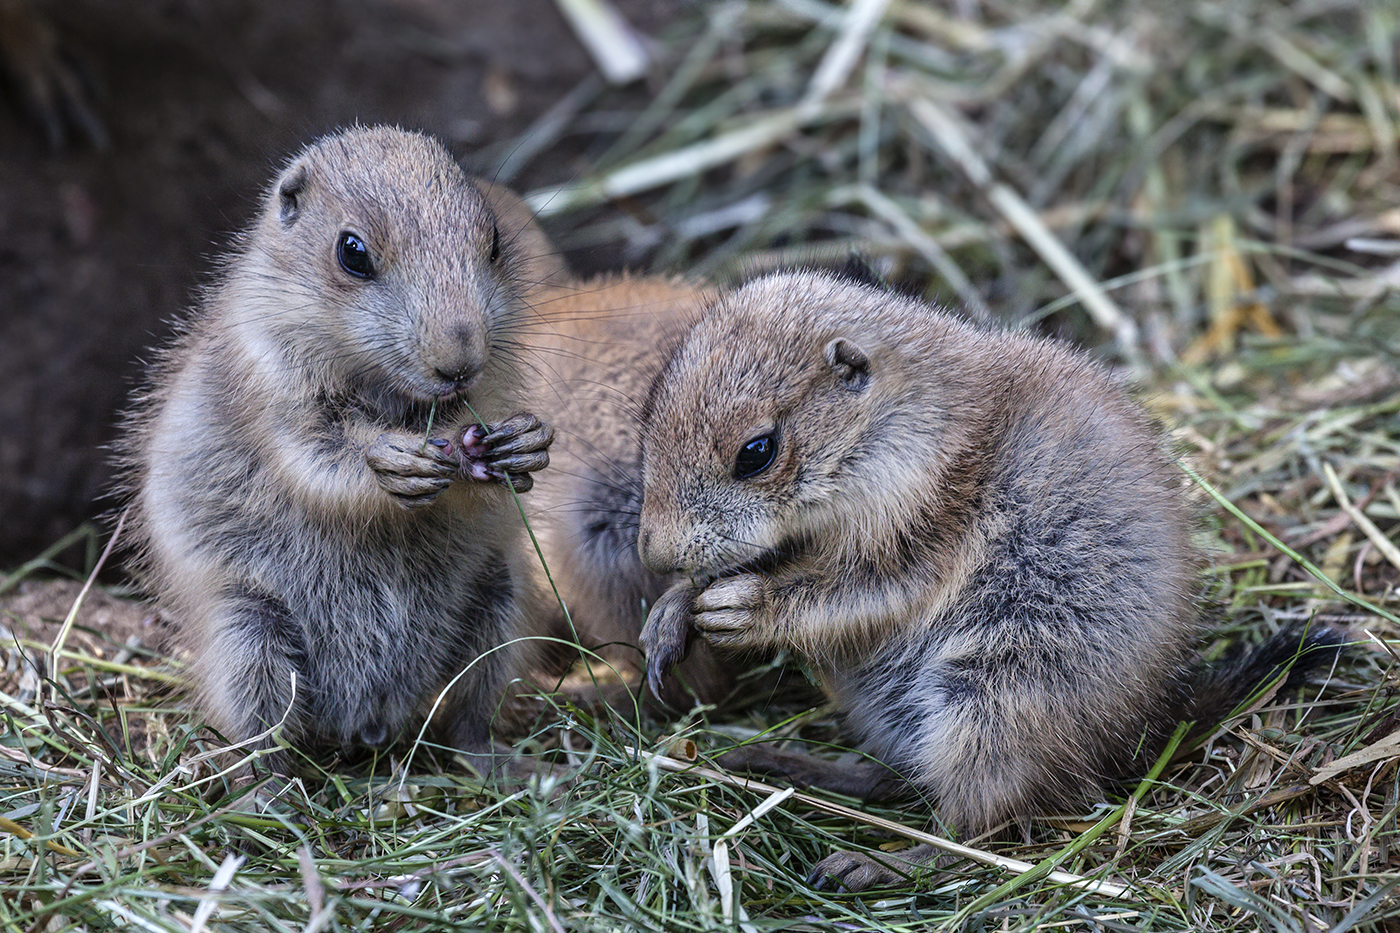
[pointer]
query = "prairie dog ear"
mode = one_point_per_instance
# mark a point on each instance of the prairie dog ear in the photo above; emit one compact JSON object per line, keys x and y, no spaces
{"x":850,"y":362}
{"x":288,"y":189}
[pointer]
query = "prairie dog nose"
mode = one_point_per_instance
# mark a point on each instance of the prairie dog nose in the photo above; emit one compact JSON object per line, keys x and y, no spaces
{"x":459,"y":375}
{"x":649,"y":547}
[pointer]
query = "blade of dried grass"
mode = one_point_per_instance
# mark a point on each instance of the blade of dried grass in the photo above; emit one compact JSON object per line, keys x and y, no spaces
{"x":1368,"y":527}
{"x":947,"y":845}
{"x":1386,"y":747}
{"x":955,"y":143}
{"x":672,"y":166}
{"x":44,"y":561}
{"x":67,"y":625}
{"x":862,"y":16}
{"x":217,"y":885}
{"x":722,"y":18}
{"x":937,"y":257}
{"x":1312,"y":569}
{"x":615,"y":48}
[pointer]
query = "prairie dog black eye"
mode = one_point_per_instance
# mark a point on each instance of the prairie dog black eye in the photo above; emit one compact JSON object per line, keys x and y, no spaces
{"x":755,"y":456}
{"x":495,"y":243}
{"x":353,"y":255}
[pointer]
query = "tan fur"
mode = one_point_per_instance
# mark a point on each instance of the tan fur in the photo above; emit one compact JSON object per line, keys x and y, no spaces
{"x":972,"y":537}
{"x":289,"y":514}
{"x":597,"y":346}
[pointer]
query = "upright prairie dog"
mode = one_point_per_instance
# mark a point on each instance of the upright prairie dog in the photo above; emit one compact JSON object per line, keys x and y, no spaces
{"x":596,"y":347}
{"x":311,"y":499}
{"x":972,"y":538}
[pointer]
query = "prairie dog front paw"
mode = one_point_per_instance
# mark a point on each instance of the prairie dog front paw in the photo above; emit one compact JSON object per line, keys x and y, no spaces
{"x":732,"y":610}
{"x":410,"y":469}
{"x":509,"y":452}
{"x":666,"y":636}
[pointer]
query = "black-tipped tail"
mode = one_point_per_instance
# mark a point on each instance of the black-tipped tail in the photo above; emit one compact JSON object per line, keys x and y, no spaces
{"x":1227,"y":684}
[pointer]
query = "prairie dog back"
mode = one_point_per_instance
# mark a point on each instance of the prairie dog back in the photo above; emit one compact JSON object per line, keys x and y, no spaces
{"x":293,"y":512}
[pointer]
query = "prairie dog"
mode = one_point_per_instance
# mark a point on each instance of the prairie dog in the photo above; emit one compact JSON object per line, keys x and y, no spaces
{"x":292,"y":509}
{"x":972,"y":538}
{"x":597,"y":346}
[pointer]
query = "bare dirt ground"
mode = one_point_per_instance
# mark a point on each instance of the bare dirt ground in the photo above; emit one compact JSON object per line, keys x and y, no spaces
{"x":202,"y":99}
{"x":106,"y":627}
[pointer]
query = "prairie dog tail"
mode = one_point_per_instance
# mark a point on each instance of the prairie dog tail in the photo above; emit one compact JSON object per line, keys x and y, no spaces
{"x":1296,"y":651}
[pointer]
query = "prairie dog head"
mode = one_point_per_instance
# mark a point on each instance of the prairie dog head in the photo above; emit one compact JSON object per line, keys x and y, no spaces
{"x":796,"y":414}
{"x":378,"y":269}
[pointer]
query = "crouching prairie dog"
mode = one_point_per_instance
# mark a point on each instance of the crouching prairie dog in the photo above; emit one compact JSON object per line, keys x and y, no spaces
{"x":597,"y":345}
{"x":972,"y":538}
{"x":310,"y":498}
